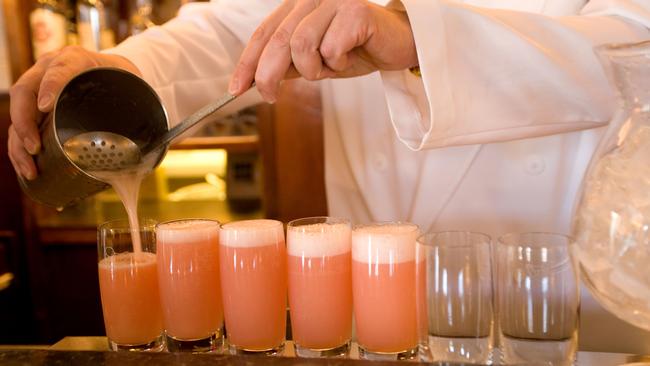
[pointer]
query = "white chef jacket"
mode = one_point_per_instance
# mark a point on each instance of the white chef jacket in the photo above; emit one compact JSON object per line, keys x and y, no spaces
{"x":495,"y":136}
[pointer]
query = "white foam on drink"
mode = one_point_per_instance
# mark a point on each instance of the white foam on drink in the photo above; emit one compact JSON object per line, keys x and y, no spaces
{"x":251,"y":233}
{"x":385,"y":243}
{"x":182,"y":231}
{"x":125,"y":260}
{"x":318,"y":240}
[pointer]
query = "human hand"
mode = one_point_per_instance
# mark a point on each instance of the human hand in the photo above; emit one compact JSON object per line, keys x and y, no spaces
{"x":324,"y":39}
{"x":33,"y":95}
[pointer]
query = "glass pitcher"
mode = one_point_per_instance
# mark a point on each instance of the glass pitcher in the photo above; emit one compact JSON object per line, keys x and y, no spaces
{"x":611,"y":226}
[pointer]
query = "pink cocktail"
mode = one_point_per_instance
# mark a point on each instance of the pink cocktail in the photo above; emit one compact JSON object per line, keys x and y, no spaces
{"x":384,"y":287}
{"x":128,"y":284}
{"x":254,"y":285}
{"x":320,"y":285}
{"x":190,"y":291}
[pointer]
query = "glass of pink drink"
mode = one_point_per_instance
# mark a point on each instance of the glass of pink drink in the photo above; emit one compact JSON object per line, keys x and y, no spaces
{"x":128,"y":284}
{"x":320,"y":285}
{"x":190,"y":290}
{"x":385,"y":290}
{"x":253,"y":267}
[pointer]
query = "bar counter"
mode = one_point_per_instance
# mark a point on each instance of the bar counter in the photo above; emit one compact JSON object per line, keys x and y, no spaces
{"x":91,"y":351}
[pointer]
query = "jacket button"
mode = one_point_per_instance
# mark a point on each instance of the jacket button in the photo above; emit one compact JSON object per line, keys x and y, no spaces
{"x":380,"y":162}
{"x":535,"y":165}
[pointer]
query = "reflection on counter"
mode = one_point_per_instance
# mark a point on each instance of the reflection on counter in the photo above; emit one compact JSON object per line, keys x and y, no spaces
{"x":206,"y":183}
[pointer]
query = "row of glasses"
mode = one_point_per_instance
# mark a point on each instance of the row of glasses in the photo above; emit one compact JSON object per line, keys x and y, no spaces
{"x":434,"y":297}
{"x":533,"y":312}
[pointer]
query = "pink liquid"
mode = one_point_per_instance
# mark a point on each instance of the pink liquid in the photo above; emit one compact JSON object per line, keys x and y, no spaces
{"x":320,"y":299}
{"x":128,"y":284}
{"x":254,"y":288}
{"x":127,"y":186}
{"x":188,"y":269}
{"x":385,"y":306}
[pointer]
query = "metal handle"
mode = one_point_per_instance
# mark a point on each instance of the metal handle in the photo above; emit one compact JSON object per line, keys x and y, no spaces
{"x":189,"y":122}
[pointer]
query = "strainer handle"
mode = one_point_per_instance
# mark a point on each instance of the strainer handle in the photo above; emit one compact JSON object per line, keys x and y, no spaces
{"x":189,"y":122}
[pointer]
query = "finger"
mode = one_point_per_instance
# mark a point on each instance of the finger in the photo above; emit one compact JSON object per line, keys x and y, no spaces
{"x":306,"y":40}
{"x":67,"y":64}
{"x":20,"y":159}
{"x":276,"y":56}
{"x":244,"y":72}
{"x":23,"y":106}
{"x":348,"y":30}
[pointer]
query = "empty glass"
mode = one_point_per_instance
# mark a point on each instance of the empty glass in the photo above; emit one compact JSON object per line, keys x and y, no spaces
{"x":538,"y":299}
{"x":459,"y":296}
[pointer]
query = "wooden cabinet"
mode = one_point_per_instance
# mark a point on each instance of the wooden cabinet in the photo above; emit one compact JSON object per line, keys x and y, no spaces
{"x":17,"y":321}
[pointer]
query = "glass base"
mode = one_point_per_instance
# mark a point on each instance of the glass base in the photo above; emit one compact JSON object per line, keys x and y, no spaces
{"x":424,"y":352}
{"x":523,"y":351}
{"x":213,"y":343}
{"x":340,"y":351}
{"x":236,"y":350}
{"x":477,"y":350}
{"x":157,"y":345}
{"x":409,"y":354}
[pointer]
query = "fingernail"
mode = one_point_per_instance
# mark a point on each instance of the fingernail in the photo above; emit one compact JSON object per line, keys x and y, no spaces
{"x":31,"y":146}
{"x":233,"y":88}
{"x":27,"y":173}
{"x":45,"y":100}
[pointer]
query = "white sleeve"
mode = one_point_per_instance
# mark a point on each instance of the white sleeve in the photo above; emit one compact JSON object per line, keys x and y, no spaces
{"x":491,"y":75}
{"x":188,"y":60}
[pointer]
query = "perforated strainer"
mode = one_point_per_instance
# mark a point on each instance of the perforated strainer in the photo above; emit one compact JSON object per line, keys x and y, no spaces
{"x":100,"y":150}
{"x":107,"y":151}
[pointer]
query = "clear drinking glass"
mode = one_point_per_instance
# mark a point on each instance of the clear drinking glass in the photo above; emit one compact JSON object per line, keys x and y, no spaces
{"x":128,"y":284}
{"x":253,"y":267}
{"x":320,"y":285}
{"x":384,"y":289}
{"x":459,"y":296}
{"x":190,"y":291}
{"x":538,"y":299}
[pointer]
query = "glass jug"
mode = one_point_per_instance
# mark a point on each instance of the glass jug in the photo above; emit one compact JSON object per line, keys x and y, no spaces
{"x":611,"y":226}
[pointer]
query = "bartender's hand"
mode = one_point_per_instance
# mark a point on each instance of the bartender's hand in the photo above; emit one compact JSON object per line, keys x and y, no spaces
{"x":320,"y":39}
{"x":33,"y":96}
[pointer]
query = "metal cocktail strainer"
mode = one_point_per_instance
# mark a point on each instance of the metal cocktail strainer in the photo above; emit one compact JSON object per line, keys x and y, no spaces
{"x":100,"y":99}
{"x":108,"y":151}
{"x":100,"y":150}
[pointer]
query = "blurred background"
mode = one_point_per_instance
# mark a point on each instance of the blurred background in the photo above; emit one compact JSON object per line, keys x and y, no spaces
{"x":265,"y":161}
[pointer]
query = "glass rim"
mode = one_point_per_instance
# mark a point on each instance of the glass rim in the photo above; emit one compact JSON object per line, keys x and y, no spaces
{"x":143,"y":222}
{"x":224,"y":226}
{"x":304,"y":221}
{"x":416,"y":227}
{"x":472,"y":234}
{"x":191,"y":219}
{"x":507,"y":239}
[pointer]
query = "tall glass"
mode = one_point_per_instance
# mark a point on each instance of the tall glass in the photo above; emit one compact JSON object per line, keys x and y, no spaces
{"x":190,"y":291}
{"x":539,"y":300}
{"x":459,"y":292}
{"x":384,"y":290}
{"x":320,"y":285}
{"x":253,"y":261}
{"x":128,"y":284}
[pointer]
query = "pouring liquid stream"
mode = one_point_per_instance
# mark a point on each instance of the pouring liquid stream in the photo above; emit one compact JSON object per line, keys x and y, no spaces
{"x":126,"y":184}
